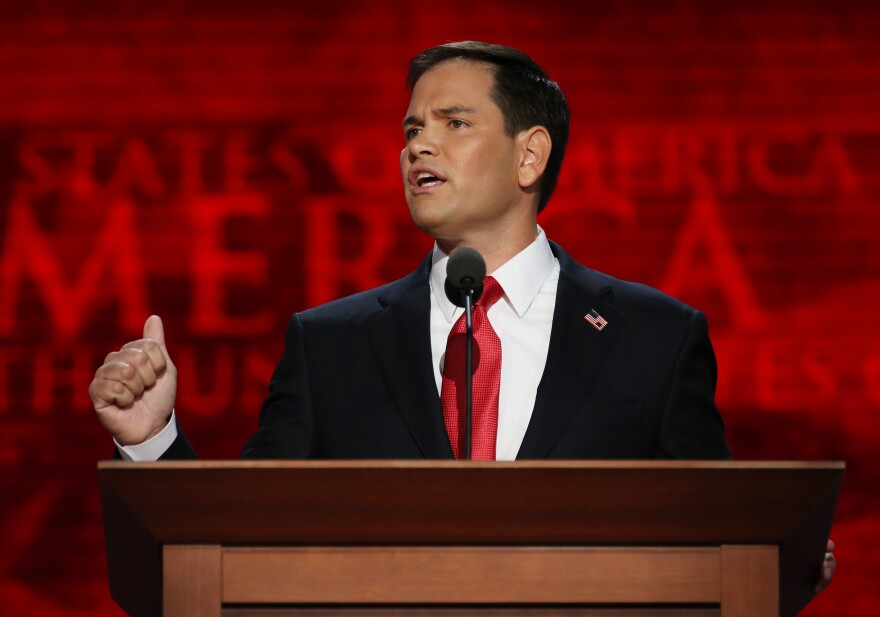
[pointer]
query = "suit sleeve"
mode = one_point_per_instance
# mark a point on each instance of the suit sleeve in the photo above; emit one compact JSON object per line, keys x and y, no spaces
{"x":692,"y":427}
{"x":287,"y":429}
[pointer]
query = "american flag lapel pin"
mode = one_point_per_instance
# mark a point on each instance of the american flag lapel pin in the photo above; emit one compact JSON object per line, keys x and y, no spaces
{"x":596,"y":320}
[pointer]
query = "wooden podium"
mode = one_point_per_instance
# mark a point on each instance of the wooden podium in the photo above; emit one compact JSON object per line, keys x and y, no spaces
{"x":456,"y":538}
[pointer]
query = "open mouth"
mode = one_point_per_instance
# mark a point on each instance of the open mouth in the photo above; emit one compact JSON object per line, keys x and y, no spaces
{"x":426,"y":179}
{"x":423,"y":178}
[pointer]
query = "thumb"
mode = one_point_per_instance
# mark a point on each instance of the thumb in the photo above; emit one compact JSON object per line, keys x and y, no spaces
{"x":153,"y":329}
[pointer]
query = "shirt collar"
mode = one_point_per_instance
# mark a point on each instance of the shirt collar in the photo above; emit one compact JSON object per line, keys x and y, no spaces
{"x":521,"y":277}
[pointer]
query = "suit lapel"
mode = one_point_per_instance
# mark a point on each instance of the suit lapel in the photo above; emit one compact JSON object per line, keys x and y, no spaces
{"x":400,"y":335}
{"x":576,"y":353}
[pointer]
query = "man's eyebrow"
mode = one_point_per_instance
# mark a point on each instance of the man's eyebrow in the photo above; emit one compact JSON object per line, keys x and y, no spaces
{"x":410,"y":120}
{"x":455,"y":110}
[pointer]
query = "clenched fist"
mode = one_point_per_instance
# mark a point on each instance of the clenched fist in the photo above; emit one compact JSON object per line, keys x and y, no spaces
{"x":133,"y":392}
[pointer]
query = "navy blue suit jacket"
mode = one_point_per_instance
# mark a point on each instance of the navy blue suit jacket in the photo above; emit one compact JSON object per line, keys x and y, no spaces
{"x":356,"y":381}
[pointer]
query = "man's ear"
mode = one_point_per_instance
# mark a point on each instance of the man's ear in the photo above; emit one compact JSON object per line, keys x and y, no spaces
{"x":534,"y":147}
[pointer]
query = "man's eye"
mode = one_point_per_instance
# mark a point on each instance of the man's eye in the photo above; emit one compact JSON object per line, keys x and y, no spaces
{"x":410,"y":133}
{"x":457,"y":124}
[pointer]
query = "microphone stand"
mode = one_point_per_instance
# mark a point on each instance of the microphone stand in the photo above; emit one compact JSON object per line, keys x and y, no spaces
{"x":468,"y":293}
{"x":465,"y":273}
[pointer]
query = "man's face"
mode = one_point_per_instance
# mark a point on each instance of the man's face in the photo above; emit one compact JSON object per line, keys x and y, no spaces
{"x":459,"y":168}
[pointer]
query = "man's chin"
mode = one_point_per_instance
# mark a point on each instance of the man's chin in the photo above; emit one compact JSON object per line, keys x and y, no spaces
{"x":430,"y":218}
{"x":433,"y":230}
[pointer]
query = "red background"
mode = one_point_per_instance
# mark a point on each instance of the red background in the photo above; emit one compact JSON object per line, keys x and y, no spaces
{"x":225,"y":167}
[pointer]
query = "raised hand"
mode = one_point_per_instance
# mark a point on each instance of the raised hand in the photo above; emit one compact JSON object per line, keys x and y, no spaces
{"x":133,"y":392}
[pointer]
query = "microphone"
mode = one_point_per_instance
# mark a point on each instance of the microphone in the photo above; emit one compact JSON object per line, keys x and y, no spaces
{"x":465,"y":273}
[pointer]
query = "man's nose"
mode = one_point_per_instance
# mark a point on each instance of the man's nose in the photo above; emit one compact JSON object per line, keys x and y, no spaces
{"x":423,"y":144}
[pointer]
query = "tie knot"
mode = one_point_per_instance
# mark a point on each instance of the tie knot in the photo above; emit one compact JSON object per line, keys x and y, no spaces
{"x":491,"y":292}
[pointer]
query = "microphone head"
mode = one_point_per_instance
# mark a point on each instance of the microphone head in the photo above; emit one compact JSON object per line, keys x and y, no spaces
{"x":465,"y":272}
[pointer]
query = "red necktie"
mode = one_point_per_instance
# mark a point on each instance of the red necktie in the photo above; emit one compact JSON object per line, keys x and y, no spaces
{"x":487,"y":379}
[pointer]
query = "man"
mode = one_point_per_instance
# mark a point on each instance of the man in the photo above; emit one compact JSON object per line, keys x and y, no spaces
{"x":583,"y":365}
{"x":486,"y":132}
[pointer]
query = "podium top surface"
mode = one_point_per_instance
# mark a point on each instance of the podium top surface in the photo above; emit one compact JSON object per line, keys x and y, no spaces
{"x":464,"y":465}
{"x":452,"y":502}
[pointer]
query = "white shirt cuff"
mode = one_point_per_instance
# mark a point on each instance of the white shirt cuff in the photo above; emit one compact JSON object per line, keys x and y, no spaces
{"x":153,"y":448}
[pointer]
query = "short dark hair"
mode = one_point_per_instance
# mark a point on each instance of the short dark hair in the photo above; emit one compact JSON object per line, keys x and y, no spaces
{"x":525,"y":94}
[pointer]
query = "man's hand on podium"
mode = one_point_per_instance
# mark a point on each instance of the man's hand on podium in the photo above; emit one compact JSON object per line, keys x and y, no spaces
{"x":133,"y":392}
{"x":828,"y":567}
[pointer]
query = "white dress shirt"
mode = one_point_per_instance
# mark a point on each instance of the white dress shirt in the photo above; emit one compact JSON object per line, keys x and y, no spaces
{"x":522,"y":319}
{"x":151,"y":449}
